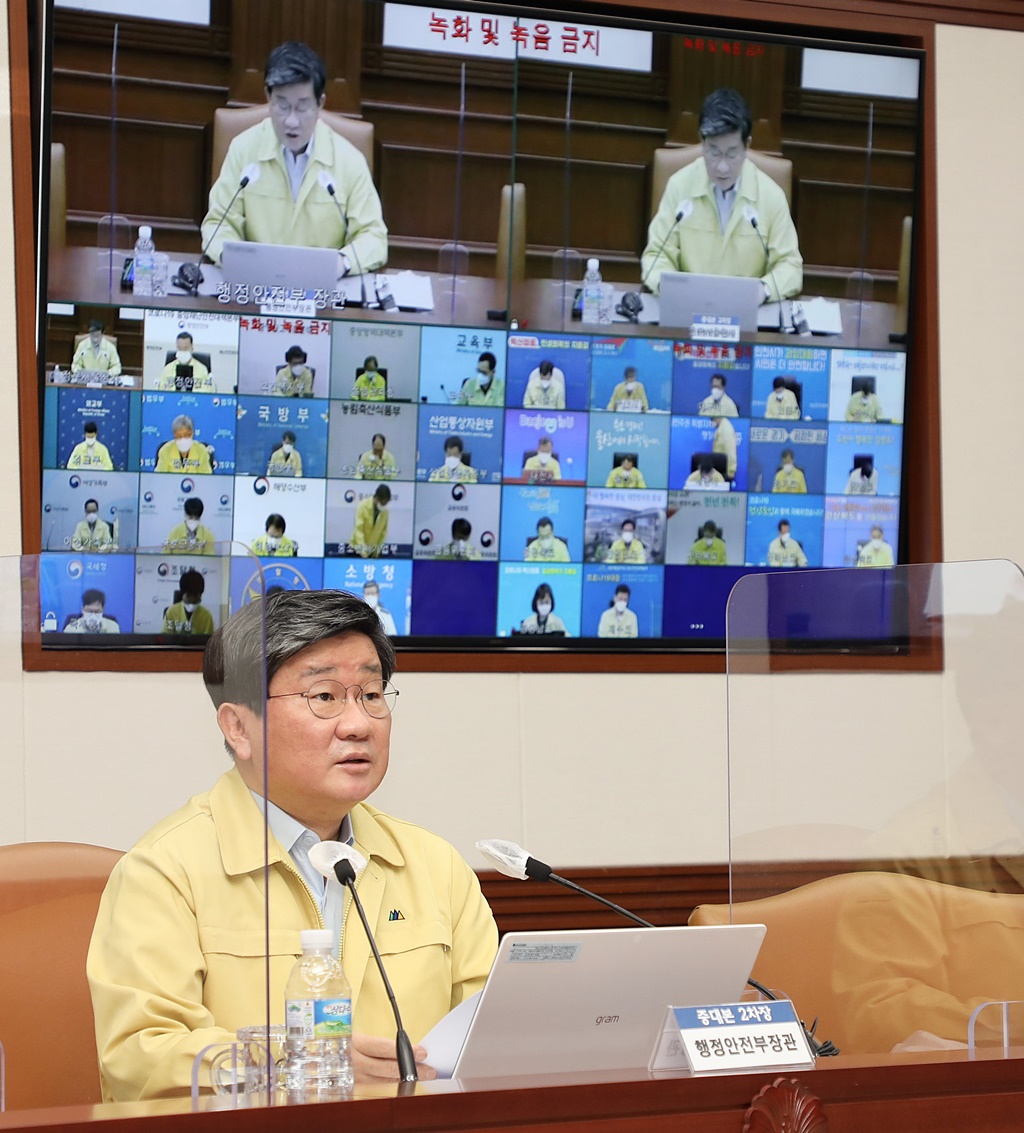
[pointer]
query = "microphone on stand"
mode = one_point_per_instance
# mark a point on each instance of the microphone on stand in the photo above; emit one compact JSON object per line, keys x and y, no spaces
{"x":336,"y":859}
{"x":631,"y":303}
{"x":751,"y":215}
{"x":327,"y":182}
{"x":189,"y":275}
{"x":514,"y":861}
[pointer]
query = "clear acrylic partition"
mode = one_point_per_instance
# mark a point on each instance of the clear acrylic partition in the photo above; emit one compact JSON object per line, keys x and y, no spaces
{"x":875,"y":718}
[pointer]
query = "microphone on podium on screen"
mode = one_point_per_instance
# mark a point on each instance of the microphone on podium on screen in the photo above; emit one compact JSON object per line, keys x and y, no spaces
{"x":189,"y":275}
{"x":750,"y":214}
{"x":336,"y":859}
{"x":514,"y":861}
{"x":632,"y":303}
{"x":327,"y":183}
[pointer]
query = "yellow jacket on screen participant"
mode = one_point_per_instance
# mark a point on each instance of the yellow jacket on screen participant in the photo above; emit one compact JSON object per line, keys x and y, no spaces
{"x":266,"y":213}
{"x":177,"y":959}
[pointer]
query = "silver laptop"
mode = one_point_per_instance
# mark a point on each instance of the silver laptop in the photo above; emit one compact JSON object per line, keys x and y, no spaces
{"x":685,"y":297}
{"x":283,"y":265}
{"x":595,"y":999}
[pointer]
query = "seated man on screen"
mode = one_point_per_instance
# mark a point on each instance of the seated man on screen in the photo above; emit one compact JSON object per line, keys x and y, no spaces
{"x":274,"y":543}
{"x":286,"y":460}
{"x":709,"y":549}
{"x":863,"y":481}
{"x":718,"y":403}
{"x":461,"y":548}
{"x":371,"y":596}
{"x":198,"y":381}
{"x":484,"y":387}
{"x":191,"y":536}
{"x":545,"y":387}
{"x":377,"y":463}
{"x":627,"y":548}
{"x":177,"y":960}
{"x":625,"y":475}
{"x":96,"y":352}
{"x":188,"y":615}
{"x":93,"y":534}
{"x":781,"y":402}
{"x":453,"y":469}
{"x":371,"y":385}
{"x":184,"y":453}
{"x":289,"y":159}
{"x":789,"y":478}
{"x":93,"y":619}
{"x":619,"y":620}
{"x":89,"y":453}
{"x":704,"y":477}
{"x":784,"y":550}
{"x":543,"y":466}
{"x":295,"y":378}
{"x":715,"y":235}
{"x":877,"y":552}
{"x":547,"y":547}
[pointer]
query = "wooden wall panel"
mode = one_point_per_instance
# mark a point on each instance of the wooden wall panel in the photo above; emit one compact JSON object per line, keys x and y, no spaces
{"x":828,"y":235}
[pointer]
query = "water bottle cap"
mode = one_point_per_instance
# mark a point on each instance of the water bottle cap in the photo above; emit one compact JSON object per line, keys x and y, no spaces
{"x":593,"y":264}
{"x":145,"y":232}
{"x":313,"y":938}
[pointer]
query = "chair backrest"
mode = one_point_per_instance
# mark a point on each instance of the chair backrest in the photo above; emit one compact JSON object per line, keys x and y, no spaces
{"x":861,"y":383}
{"x":230,"y":121}
{"x":903,"y":279}
{"x":198,"y":355}
{"x":511,"y":242}
{"x":49,"y":893}
{"x":58,"y":196}
{"x":619,"y":457}
{"x":718,"y":459}
{"x":799,"y":956}
{"x":670,"y":159}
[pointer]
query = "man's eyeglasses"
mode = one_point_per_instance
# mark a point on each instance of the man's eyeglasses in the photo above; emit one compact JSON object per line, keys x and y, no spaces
{"x":734,"y":153}
{"x":301,"y":109}
{"x":327,"y":699}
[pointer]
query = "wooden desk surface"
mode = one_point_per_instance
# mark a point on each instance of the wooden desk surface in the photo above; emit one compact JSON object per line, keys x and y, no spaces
{"x":907,"y":1093}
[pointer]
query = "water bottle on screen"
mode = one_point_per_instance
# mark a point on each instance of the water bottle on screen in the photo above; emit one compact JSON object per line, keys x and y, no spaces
{"x":318,"y":1024}
{"x":592,"y":292}
{"x":145,"y":262}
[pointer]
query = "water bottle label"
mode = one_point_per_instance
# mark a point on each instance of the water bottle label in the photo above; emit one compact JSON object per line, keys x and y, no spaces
{"x":333,"y":1017}
{"x":299,"y":1018}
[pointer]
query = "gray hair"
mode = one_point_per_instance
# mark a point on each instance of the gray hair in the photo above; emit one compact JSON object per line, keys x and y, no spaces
{"x":289,"y":621}
{"x":182,"y":421}
{"x":292,"y":63}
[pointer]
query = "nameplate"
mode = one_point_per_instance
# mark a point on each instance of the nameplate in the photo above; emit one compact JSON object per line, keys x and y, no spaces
{"x":302,"y":308}
{"x":715,"y":328}
{"x":732,"y":1037}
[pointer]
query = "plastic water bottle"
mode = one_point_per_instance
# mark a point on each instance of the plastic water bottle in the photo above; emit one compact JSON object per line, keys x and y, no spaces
{"x":145,"y":262}
{"x":318,"y":1024}
{"x":593,"y":292}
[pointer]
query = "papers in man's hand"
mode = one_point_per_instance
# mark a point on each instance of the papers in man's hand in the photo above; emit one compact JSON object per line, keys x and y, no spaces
{"x":444,"y":1042}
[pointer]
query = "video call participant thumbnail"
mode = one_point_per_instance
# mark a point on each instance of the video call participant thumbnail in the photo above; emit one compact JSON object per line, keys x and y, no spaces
{"x":782,"y":403}
{"x":292,"y":151}
{"x":863,"y":480}
{"x":453,"y":469}
{"x":547,"y":547}
{"x":625,"y":475}
{"x":543,"y":619}
{"x":191,"y":537}
{"x":876,"y":553}
{"x":377,"y":463}
{"x":717,"y":238}
{"x":709,"y":549}
{"x":461,"y":547}
{"x":93,"y":534}
{"x":295,"y":378}
{"x":163,"y":985}
{"x":629,"y":396}
{"x":789,"y":478}
{"x":370,"y":530}
{"x":545,"y":387}
{"x":718,"y":403}
{"x":371,"y":385}
{"x":96,"y":352}
{"x":543,"y":466}
{"x":193,"y":377}
{"x":274,"y":543}
{"x":784,"y":550}
{"x":371,"y":596}
{"x":93,"y":619}
{"x":484,"y":388}
{"x":704,"y":476}
{"x":619,"y":620}
{"x":285,"y":459}
{"x":184,"y":453}
{"x":864,"y":406}
{"x":89,"y":453}
{"x":627,"y":548}
{"x":188,"y":616}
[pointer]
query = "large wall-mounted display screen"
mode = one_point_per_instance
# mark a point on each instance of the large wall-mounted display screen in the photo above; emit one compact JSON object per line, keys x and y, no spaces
{"x":392,"y":372}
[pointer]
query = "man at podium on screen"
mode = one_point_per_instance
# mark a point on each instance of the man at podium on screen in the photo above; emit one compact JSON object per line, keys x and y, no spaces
{"x":178,"y":956}
{"x":291,"y":161}
{"x":722,"y":215}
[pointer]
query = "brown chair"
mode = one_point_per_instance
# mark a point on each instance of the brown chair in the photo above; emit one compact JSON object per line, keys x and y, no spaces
{"x":58,"y":196}
{"x":511,"y":245}
{"x":670,"y":159}
{"x":80,"y":338}
{"x":800,"y":957}
{"x":49,"y":893}
{"x":230,"y":121}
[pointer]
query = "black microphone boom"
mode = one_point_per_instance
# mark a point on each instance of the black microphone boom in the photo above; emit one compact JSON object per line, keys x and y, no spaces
{"x":752,"y":217}
{"x":333,"y":193}
{"x":346,"y":874}
{"x":189,"y":275}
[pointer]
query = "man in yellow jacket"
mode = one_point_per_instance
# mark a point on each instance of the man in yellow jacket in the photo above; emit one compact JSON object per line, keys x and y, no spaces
{"x":90,"y":453}
{"x":370,"y":531}
{"x":184,"y":453}
{"x":704,"y":222}
{"x":97,"y":352}
{"x":178,"y":957}
{"x":290,"y":159}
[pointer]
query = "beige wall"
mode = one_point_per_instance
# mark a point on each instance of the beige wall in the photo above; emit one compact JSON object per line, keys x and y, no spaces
{"x":597,"y":769}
